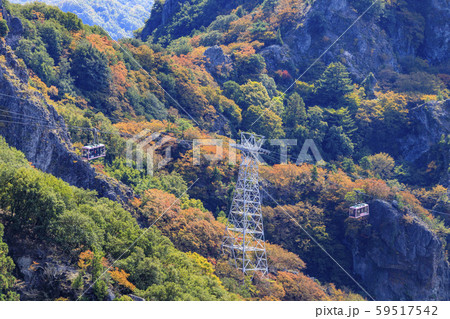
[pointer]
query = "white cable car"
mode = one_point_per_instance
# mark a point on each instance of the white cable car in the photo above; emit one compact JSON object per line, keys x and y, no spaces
{"x":93,"y":151}
{"x":358,"y":210}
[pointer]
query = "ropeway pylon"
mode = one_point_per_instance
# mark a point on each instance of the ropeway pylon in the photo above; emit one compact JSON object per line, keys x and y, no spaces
{"x":244,"y":235}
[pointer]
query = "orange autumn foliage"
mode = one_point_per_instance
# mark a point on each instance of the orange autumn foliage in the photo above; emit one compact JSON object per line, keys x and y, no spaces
{"x":133,"y":127}
{"x":119,"y":77}
{"x":102,"y":43}
{"x":279,"y":259}
{"x":414,"y":204}
{"x":300,"y":287}
{"x":269,"y":289}
{"x":120,"y":276}
{"x":190,"y":229}
{"x":39,"y":16}
{"x":156,"y":202}
{"x":85,"y":259}
{"x":374,"y":187}
{"x":288,"y":11}
{"x":291,"y":182}
{"x":338,"y":184}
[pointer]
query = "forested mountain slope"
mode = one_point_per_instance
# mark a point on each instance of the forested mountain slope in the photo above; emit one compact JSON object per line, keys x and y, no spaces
{"x":395,"y":53}
{"x":119,"y":18}
{"x":376,"y":107}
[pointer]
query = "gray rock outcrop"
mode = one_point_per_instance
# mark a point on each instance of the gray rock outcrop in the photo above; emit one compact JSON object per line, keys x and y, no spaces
{"x":219,"y":64}
{"x":431,"y":122}
{"x":399,"y":258}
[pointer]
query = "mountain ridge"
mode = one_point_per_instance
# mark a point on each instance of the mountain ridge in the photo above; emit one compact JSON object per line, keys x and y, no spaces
{"x":118,"y":18}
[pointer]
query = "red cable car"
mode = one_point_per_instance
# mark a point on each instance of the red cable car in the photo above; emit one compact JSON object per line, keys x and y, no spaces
{"x":93,"y":151}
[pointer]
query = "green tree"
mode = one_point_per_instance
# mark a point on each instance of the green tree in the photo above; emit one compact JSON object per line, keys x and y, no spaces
{"x":249,"y":67}
{"x":180,"y":46}
{"x":337,"y":143}
{"x":333,"y":85}
{"x":73,"y":230}
{"x":3,"y":28}
{"x":267,"y":123}
{"x":31,"y":199}
{"x":295,"y":112}
{"x":341,"y":117}
{"x":53,"y":39}
{"x":35,"y":56}
{"x":230,"y":109}
{"x":7,"y":280}
{"x":211,"y":38}
{"x":222,"y":23}
{"x":71,"y":22}
{"x":269,"y":5}
{"x":269,"y":83}
{"x":317,"y":127}
{"x":144,"y":271}
{"x":153,"y":107}
{"x":369,"y":84}
{"x":254,"y":93}
{"x":233,"y":91}
{"x":90,"y":68}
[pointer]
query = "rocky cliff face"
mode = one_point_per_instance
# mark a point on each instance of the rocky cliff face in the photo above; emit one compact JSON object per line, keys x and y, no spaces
{"x":33,"y":126}
{"x":363,"y":48}
{"x":46,"y":273}
{"x":219,"y":64}
{"x":372,"y":43}
{"x":368,"y":46}
{"x":14,"y":24}
{"x":437,"y":31}
{"x":398,"y":258}
{"x":431,"y":122}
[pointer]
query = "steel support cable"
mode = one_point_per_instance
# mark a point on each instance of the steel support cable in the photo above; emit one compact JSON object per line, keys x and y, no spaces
{"x":40,"y":122}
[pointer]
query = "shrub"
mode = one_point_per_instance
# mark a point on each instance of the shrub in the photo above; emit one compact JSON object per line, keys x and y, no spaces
{"x":73,"y":230}
{"x":211,"y":38}
{"x":3,"y":28}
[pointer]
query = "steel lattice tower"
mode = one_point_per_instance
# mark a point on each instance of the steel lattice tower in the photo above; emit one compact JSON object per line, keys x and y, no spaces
{"x":244,"y":235}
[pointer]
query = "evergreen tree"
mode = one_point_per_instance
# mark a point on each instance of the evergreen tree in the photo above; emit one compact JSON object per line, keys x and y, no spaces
{"x":337,"y":143}
{"x":333,"y":85}
{"x":341,"y":117}
{"x":316,"y":125}
{"x":295,"y":112}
